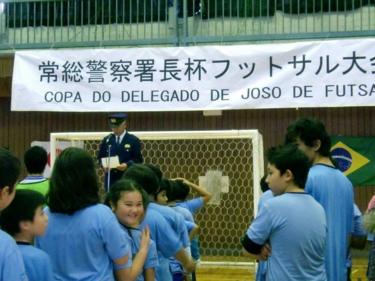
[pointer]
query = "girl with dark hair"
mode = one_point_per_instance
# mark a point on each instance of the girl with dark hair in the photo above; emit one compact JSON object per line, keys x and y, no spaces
{"x":167,"y":228}
{"x":83,"y":237}
{"x":74,"y":183}
{"x":129,"y":202}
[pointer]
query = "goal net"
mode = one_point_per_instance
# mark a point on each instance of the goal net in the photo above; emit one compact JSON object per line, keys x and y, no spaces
{"x":229,"y":164}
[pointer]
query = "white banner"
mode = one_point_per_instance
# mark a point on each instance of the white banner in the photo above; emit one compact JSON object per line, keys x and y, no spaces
{"x":291,"y":75}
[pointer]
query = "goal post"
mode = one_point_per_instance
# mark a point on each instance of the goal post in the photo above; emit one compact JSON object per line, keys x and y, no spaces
{"x":228,"y":163}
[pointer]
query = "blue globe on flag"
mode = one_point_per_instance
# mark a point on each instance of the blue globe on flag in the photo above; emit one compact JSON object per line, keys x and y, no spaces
{"x":343,"y":158}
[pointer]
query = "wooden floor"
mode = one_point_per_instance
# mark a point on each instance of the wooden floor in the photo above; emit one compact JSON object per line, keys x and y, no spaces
{"x":224,"y":273}
{"x":241,"y":273}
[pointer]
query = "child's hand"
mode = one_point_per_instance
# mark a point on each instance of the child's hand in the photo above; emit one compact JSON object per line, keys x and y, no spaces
{"x":179,"y":179}
{"x":122,"y":167}
{"x":145,"y":239}
{"x":185,"y":181}
{"x":265,"y":252}
{"x":190,"y":266}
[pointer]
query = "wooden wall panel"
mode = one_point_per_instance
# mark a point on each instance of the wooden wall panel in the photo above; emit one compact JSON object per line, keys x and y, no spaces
{"x":4,"y":122}
{"x":363,"y":196}
{"x":5,"y":87}
{"x":19,"y":129}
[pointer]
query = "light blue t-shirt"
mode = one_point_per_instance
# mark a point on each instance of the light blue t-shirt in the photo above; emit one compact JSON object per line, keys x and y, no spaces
{"x":37,"y":263}
{"x":186,"y":214}
{"x":332,"y":189}
{"x":175,"y":220}
{"x":193,"y":205}
{"x":264,"y":198}
{"x":174,"y":265}
{"x":262,"y":265}
{"x":358,"y":229}
{"x":82,"y":246}
{"x":135,"y":235}
{"x":11,"y":262}
{"x":162,"y":271}
{"x":295,"y":225}
{"x":190,"y":226}
{"x":166,"y":239}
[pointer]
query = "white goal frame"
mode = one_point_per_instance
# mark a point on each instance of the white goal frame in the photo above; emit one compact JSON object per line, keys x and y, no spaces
{"x":76,"y":138}
{"x":254,"y":135}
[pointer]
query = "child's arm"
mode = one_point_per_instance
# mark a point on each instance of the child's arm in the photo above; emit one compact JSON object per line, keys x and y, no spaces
{"x":185,"y":260}
{"x":369,"y":221}
{"x":359,"y":234}
{"x":265,"y":252}
{"x":371,"y":204}
{"x":149,"y":274}
{"x":130,"y":274}
{"x":202,"y":192}
{"x":193,"y":232}
{"x":140,"y":257}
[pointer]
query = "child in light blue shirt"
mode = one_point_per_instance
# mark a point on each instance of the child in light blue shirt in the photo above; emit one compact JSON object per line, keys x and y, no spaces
{"x":83,"y":237}
{"x":290,"y":230}
{"x":11,"y":263}
{"x":129,"y":202}
{"x":24,"y":219}
{"x":164,"y":228}
{"x":180,"y":192}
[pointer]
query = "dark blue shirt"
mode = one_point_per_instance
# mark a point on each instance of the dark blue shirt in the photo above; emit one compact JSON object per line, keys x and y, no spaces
{"x":128,"y":151}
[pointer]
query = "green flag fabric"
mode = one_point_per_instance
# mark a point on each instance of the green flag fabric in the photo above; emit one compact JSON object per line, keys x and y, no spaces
{"x":355,"y":157}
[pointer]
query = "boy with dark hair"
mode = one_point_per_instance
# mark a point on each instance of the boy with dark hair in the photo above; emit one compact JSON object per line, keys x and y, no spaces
{"x":310,"y":131}
{"x":180,"y":190}
{"x":35,"y":159}
{"x":24,"y":219}
{"x":11,"y":263}
{"x":263,"y":184}
{"x":162,"y":198}
{"x":292,"y":221}
{"x":179,"y":193}
{"x":156,"y":170}
{"x":330,"y":187}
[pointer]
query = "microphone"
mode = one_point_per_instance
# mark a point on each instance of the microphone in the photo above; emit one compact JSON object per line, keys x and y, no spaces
{"x":107,"y":138}
{"x":108,"y":145}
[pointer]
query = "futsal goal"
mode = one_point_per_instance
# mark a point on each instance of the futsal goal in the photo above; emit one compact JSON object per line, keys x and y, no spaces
{"x":228,"y":163}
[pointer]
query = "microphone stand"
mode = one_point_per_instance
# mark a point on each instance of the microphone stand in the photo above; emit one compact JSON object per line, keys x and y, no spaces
{"x":109,"y":169}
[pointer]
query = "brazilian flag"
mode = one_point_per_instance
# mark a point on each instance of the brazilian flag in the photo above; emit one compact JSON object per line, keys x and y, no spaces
{"x":355,"y":157}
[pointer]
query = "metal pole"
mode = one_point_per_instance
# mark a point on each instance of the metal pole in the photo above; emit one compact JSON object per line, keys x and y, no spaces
{"x":108,"y":168}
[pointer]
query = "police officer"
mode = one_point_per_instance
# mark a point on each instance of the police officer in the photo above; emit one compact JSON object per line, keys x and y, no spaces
{"x":119,"y":143}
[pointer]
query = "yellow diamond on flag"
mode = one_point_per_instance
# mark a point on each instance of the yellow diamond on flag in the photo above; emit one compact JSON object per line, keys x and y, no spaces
{"x":358,"y":160}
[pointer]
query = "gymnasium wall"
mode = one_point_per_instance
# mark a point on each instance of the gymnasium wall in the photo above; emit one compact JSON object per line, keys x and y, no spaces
{"x":19,"y":129}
